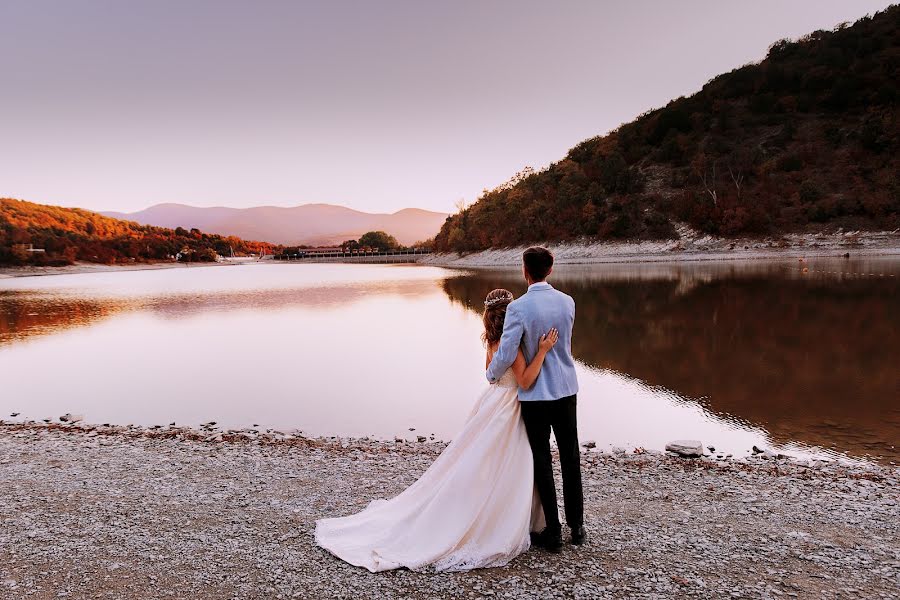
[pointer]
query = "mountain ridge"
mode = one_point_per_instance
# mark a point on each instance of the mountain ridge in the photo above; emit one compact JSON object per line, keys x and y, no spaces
{"x":314,"y":223}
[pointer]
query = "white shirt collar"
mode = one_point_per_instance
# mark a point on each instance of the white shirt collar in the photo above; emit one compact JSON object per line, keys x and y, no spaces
{"x":540,"y":285}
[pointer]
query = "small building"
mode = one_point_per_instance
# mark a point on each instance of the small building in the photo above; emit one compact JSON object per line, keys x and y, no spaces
{"x":27,"y":248}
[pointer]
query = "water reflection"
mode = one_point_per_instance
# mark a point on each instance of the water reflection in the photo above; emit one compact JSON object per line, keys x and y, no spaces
{"x":735,"y":354}
{"x":44,"y":305}
{"x":25,"y":315}
{"x":810,"y":356}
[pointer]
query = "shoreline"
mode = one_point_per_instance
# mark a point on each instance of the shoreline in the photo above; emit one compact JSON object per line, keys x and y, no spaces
{"x":212,"y":433}
{"x":87,"y":267}
{"x":691,"y":246}
{"x":200,"y":512}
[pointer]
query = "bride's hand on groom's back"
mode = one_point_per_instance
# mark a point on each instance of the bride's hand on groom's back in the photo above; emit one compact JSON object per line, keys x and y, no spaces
{"x":548,"y":340}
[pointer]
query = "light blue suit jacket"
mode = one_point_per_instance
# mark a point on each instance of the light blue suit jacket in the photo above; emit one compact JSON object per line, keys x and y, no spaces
{"x":527,"y":319}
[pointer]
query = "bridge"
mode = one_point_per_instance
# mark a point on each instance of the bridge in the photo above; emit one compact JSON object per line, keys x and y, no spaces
{"x":355,"y":256}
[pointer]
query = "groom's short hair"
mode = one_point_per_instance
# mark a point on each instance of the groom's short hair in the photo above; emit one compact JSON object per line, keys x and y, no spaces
{"x":538,"y":262}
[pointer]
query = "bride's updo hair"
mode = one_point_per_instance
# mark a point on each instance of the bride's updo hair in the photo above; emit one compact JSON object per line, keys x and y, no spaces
{"x":495,"y":304}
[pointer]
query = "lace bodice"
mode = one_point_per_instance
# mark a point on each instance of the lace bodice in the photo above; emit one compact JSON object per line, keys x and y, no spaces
{"x":508,"y":380}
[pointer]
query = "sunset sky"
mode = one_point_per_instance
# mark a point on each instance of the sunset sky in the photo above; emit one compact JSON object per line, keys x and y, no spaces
{"x":117,"y":105}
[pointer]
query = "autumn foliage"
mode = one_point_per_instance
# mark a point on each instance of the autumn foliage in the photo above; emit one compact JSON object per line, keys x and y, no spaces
{"x":804,"y":140}
{"x":70,"y":234}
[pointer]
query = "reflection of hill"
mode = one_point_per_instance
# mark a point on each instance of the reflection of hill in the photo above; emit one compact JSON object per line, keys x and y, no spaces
{"x":810,"y":360}
{"x":23,"y":316}
{"x":29,"y":314}
{"x":325,"y":297}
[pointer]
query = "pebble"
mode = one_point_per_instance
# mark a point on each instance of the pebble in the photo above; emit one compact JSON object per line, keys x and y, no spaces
{"x":132,"y":512}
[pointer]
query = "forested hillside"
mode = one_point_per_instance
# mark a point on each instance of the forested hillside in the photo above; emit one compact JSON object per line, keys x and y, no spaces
{"x":70,"y":234}
{"x":805,"y":140}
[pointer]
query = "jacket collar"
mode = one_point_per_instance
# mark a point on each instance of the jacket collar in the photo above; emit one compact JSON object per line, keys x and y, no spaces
{"x":540,"y":285}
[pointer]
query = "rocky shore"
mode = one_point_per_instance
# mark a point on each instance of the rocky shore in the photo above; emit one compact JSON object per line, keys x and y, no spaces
{"x":690,"y":246}
{"x":170,"y":512}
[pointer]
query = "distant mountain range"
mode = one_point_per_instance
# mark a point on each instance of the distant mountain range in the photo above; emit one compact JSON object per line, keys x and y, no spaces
{"x":312,"y":224}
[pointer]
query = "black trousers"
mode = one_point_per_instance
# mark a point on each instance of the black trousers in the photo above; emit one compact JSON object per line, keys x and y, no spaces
{"x":540,"y":416}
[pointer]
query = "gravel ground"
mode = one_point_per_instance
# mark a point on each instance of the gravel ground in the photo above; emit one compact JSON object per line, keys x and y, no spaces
{"x":115,"y":512}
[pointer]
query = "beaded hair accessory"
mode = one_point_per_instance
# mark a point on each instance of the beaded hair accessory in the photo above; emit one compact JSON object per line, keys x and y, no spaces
{"x":507,"y":297}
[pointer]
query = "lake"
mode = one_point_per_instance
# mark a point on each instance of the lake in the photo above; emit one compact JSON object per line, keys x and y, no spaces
{"x":798,"y":357}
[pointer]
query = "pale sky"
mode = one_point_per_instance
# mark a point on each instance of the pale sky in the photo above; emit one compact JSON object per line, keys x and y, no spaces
{"x":377,"y":105}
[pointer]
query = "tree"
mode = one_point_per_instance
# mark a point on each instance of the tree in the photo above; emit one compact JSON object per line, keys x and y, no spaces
{"x":379,"y":240}
{"x":739,"y":164}
{"x":705,"y":170}
{"x":66,"y":234}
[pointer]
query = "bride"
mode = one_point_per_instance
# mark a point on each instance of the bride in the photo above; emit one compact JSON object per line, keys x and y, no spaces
{"x":475,"y":506}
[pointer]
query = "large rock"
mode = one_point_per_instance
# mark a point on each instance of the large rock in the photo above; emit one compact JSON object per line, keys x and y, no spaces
{"x":686,"y":448}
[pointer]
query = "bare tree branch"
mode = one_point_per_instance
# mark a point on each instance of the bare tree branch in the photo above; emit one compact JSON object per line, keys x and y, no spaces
{"x":737,"y":179}
{"x":711,"y":189}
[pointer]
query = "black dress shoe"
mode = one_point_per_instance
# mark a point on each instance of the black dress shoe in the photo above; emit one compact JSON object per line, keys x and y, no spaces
{"x":549,"y":540}
{"x":578,"y":535}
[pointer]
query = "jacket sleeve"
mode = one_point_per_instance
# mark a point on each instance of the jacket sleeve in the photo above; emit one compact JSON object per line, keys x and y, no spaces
{"x":513,"y":328}
{"x":573,"y":317}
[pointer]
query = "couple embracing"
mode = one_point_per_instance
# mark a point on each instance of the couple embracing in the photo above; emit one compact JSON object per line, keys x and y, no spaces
{"x":491,"y":494}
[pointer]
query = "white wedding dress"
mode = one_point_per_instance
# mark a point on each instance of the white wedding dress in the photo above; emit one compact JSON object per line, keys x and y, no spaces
{"x":474,"y":507}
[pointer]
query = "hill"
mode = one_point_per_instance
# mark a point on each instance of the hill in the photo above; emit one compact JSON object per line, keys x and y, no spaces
{"x":805,"y":140}
{"x":70,"y":234}
{"x":312,"y":224}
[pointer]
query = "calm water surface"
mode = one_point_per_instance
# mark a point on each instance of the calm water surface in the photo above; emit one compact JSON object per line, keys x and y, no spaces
{"x":734,"y":354}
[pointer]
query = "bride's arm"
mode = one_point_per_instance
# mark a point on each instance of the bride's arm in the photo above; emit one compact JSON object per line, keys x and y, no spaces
{"x":489,"y":357}
{"x":527,"y":375}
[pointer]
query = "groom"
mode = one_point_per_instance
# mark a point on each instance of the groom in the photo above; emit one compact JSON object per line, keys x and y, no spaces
{"x":550,"y":403}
